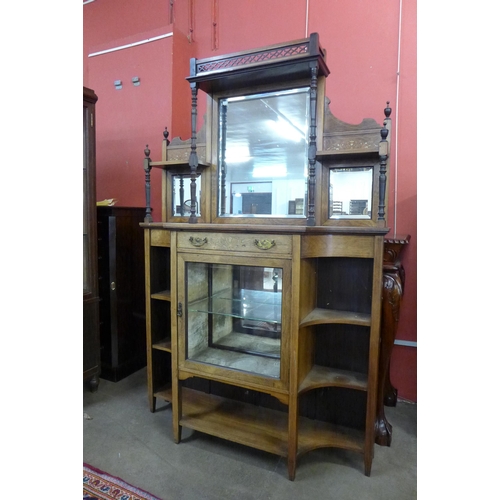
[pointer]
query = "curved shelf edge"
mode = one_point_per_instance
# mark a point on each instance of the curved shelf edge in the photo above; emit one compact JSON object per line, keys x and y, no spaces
{"x":321,"y":316}
{"x":163,"y":345}
{"x":323,"y":376}
{"x":314,"y":434}
{"x":177,"y":164}
{"x":164,"y":295}
{"x":164,"y":393}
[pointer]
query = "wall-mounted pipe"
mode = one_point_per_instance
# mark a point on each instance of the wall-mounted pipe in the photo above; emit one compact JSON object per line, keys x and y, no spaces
{"x":307,"y":18}
{"x":396,"y":128}
{"x":134,"y":44}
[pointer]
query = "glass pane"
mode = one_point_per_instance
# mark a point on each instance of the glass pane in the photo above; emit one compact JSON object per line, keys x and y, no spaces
{"x":234,"y":317}
{"x":351,"y":193}
{"x":262,"y":154}
{"x":181,"y":195}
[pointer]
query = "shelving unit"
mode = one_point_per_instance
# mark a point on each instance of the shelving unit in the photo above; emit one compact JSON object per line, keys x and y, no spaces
{"x":158,"y":316}
{"x":264,"y":329}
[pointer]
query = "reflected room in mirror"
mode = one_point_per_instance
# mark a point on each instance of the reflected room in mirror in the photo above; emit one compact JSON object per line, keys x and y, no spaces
{"x":262,"y":154}
{"x":350,"y":193}
{"x":181,"y":195}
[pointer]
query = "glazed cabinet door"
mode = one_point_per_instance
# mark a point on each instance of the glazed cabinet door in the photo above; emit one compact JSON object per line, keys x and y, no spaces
{"x":234,"y":319}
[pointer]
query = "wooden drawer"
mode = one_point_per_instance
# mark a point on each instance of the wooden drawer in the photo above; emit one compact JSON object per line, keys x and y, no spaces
{"x":160,"y":238}
{"x":230,"y":242}
{"x":329,"y":245}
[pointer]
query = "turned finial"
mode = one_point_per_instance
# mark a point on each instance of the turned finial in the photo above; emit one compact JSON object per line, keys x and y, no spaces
{"x":147,"y":152}
{"x":166,"y":133}
{"x":384,"y":132}
{"x":387,"y":110}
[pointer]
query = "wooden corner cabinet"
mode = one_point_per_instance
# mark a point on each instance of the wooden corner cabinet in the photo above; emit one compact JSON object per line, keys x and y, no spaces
{"x":264,"y":276}
{"x":91,"y":351}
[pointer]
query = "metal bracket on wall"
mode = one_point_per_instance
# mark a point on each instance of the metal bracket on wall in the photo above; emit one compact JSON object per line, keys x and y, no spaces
{"x":136,"y":81}
{"x":118,"y":84}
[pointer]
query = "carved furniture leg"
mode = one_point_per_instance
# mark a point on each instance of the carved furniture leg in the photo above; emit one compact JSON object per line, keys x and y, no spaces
{"x":392,"y":293}
{"x":390,"y":392}
{"x":94,"y":383}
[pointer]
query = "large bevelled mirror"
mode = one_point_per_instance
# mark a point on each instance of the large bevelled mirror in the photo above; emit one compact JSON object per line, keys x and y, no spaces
{"x":262,"y":154}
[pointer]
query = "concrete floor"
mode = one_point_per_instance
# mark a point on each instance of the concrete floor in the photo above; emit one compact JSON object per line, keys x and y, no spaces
{"x":122,"y":437}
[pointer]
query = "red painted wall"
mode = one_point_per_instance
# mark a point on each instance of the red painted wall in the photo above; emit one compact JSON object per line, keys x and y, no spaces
{"x":366,"y":46}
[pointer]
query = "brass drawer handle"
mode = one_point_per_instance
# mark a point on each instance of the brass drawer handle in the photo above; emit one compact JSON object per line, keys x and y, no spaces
{"x":197,"y":242}
{"x":264,"y":244}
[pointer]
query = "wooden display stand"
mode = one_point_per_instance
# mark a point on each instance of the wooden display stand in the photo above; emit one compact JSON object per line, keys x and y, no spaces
{"x":263,"y":328}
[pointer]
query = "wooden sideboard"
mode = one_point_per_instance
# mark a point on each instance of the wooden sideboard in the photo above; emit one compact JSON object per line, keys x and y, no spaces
{"x":263,"y":317}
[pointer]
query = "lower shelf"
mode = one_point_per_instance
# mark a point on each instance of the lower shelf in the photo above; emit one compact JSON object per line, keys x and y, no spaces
{"x":260,"y":427}
{"x":164,"y":393}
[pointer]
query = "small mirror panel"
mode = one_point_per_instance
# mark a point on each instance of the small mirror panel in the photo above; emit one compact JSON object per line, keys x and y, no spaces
{"x":181,"y":195}
{"x":262,"y":154}
{"x":350,"y":193}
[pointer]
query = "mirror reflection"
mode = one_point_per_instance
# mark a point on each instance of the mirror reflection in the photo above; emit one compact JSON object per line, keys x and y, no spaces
{"x":350,"y":193}
{"x":262,"y":154}
{"x":181,"y":195}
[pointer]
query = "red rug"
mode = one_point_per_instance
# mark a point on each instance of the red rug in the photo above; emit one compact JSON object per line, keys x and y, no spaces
{"x":99,"y":485}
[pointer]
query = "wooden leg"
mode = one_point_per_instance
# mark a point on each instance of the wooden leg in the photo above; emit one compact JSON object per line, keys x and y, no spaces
{"x":292,"y":465}
{"x":390,"y":392}
{"x":94,"y":383}
{"x":392,"y":266}
{"x":176,"y":408}
{"x":368,"y":464}
{"x":391,"y":301}
{"x":292,"y":436}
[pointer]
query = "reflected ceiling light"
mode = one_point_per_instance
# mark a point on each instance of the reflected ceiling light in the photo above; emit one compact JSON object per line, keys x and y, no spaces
{"x":270,"y":171}
{"x":238,"y":154}
{"x":286,"y":129}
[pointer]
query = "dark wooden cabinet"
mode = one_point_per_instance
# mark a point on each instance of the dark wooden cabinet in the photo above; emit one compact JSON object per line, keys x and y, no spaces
{"x":91,"y":357}
{"x":122,"y":315}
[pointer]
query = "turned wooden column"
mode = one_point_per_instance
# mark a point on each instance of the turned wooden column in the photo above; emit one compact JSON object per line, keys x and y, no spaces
{"x":392,"y":293}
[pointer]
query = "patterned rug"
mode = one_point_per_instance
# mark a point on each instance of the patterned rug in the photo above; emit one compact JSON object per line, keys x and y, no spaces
{"x":98,"y":485}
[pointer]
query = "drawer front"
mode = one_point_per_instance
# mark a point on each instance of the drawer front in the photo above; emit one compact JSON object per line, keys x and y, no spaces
{"x":160,"y":238}
{"x":229,"y":242}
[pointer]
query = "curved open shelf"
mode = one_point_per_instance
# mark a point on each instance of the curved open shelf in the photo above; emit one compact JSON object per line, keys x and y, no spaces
{"x":163,"y":345}
{"x":323,"y":376}
{"x":320,"y":316}
{"x":261,"y":427}
{"x":314,"y":434}
{"x":164,"y":393}
{"x":163,"y":295}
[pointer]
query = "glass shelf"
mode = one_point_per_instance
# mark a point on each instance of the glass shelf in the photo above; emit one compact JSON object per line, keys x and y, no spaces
{"x":234,"y":316}
{"x":252,"y":305}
